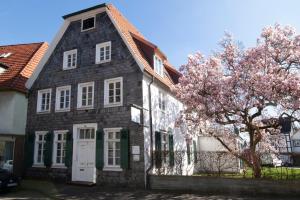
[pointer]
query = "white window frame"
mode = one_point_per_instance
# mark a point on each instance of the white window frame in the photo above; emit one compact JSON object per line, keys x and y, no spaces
{"x":98,"y":47}
{"x":106,"y":92}
{"x":55,"y":142}
{"x":91,"y":16}
{"x":36,"y":142}
{"x":39,"y":100}
{"x":162,"y":100}
{"x":65,"y":59}
{"x":58,"y":98}
{"x":79,"y":95}
{"x":158,"y":65}
{"x":106,"y":166}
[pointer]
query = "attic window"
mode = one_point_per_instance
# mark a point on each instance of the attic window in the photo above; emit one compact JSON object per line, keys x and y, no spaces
{"x":87,"y":24}
{"x":158,"y":66}
{"x":5,"y":55}
{"x":3,"y":68}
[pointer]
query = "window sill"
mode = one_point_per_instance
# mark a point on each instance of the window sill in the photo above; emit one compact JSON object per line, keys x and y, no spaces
{"x":43,"y":112}
{"x":38,"y":166}
{"x":101,"y":62}
{"x":113,"y":105}
{"x":69,"y":68}
{"x":88,"y":29}
{"x":85,"y":108}
{"x":115,"y":169}
{"x":62,"y":110}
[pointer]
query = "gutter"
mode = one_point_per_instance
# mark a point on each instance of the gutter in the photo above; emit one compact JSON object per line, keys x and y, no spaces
{"x":151,"y":135}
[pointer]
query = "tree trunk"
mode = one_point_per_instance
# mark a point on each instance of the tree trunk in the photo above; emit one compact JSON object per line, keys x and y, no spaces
{"x":256,"y":165}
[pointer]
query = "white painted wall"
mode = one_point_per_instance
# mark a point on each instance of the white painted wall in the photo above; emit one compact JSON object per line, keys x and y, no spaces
{"x":13,"y":111}
{"x":295,"y":136}
{"x":208,"y":143}
{"x":163,"y":121}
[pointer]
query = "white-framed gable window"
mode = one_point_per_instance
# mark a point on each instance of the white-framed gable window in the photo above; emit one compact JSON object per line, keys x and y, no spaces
{"x":59,"y":150}
{"x":112,"y":149}
{"x":113,"y":92}
{"x":63,"y":96}
{"x":103,"y":52}
{"x":39,"y":147}
{"x":88,"y":23}
{"x":70,"y":59}
{"x":158,"y":66}
{"x":44,"y":100}
{"x":85,"y":97}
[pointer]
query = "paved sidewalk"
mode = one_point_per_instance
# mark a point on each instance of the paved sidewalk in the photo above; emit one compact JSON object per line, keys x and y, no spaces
{"x":43,"y":190}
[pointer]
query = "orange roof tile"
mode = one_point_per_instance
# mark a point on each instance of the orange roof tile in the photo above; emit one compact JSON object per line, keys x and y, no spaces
{"x":127,"y":30}
{"x":20,"y":64}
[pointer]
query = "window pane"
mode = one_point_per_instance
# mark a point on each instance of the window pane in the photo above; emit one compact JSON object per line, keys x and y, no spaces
{"x":88,"y":23}
{"x":117,"y":161}
{"x":117,"y":135}
{"x":118,"y":99}
{"x":111,"y":99}
{"x":110,"y":161}
{"x":110,"y":135}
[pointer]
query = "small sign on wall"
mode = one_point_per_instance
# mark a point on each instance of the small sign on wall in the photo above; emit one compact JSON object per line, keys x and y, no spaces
{"x":135,"y":115}
{"x":136,"y":153}
{"x":135,"y":150}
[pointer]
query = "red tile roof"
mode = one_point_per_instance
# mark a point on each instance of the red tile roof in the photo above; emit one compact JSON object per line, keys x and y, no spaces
{"x":20,"y":64}
{"x":130,"y":33}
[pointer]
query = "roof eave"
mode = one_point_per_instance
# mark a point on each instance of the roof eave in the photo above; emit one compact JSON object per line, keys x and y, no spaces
{"x":84,"y":10}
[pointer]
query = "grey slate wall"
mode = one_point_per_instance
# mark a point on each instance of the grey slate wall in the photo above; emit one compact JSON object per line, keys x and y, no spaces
{"x":122,"y":64}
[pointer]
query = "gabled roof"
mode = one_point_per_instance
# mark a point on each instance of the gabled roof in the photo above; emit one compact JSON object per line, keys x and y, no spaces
{"x":20,"y":64}
{"x":128,"y":33}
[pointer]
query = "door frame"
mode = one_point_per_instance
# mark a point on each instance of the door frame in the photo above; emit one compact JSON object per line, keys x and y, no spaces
{"x":75,"y":142}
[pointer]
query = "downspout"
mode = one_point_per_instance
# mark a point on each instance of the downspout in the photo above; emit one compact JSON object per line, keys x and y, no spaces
{"x":151,"y":135}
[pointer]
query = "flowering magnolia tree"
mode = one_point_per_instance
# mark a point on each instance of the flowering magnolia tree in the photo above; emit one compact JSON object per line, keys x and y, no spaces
{"x":243,"y":88}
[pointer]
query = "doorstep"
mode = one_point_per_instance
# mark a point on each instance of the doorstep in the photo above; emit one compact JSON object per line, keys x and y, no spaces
{"x":82,"y":183}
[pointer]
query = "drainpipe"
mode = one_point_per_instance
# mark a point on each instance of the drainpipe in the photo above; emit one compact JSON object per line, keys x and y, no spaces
{"x":151,"y":135}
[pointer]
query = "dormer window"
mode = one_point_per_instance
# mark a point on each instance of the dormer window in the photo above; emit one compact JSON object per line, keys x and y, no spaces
{"x":88,"y":23}
{"x":158,"y":66}
{"x":2,"y":68}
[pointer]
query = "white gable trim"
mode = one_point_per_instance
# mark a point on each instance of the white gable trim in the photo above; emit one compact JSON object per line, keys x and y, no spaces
{"x":61,"y":32}
{"x":125,"y":41}
{"x":47,"y":55}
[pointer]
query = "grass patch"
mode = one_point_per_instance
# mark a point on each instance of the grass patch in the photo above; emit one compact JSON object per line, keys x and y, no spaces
{"x":275,"y":173}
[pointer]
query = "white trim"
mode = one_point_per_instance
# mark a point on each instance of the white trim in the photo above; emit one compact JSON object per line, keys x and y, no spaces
{"x":106,"y":166}
{"x":37,"y":164}
{"x":47,"y":55}
{"x":125,"y":41}
{"x":54,"y":153}
{"x":65,"y":59}
{"x":79,"y":95}
{"x":39,"y":100}
{"x":75,"y":141}
{"x":106,"y":92}
{"x":98,"y":47}
{"x":61,"y":32}
{"x":57,"y":98}
{"x":87,"y":17}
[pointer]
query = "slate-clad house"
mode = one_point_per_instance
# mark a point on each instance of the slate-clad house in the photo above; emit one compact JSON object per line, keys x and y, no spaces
{"x":100,"y":104}
{"x":17,"y":62}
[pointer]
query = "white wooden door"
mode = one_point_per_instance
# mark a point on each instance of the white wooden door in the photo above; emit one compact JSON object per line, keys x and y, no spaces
{"x":84,"y":163}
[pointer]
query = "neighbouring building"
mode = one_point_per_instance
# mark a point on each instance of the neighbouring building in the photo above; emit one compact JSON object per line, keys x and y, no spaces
{"x":100,"y":106}
{"x":17,"y":62}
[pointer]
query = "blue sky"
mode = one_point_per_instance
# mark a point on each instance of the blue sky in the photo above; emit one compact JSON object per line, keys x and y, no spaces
{"x":178,"y":27}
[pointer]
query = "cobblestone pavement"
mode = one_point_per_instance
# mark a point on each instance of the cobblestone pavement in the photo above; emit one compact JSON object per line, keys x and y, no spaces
{"x":60,"y":191}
